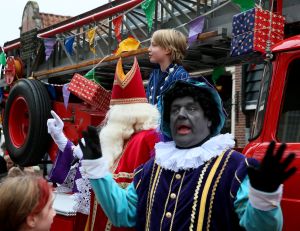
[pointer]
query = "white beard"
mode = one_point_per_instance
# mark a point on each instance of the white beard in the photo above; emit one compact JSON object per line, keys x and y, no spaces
{"x":112,"y":141}
{"x":122,"y":121}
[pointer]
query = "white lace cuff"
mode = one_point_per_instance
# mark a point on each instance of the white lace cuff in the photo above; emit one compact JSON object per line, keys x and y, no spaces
{"x":77,"y":152}
{"x":95,"y":169}
{"x":263,"y":200}
{"x":83,"y":197}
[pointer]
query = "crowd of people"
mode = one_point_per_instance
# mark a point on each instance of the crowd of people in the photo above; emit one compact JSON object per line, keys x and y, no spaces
{"x":157,"y":162}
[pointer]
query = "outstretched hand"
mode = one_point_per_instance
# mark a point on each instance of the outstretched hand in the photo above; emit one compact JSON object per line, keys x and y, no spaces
{"x":55,"y":125}
{"x":91,"y":147}
{"x":272,"y":171}
{"x":55,"y":129}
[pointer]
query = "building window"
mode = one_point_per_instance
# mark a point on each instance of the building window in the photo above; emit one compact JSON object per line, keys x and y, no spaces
{"x":251,"y":85}
{"x":262,"y":100}
{"x":289,"y":120}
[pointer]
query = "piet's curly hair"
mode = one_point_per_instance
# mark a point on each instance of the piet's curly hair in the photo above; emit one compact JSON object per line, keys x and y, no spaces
{"x":203,"y":97}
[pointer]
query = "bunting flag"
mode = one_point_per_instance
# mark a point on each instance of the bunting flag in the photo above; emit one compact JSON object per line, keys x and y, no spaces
{"x":245,"y":4}
{"x":217,"y":72}
{"x":69,"y":44}
{"x":66,"y":94}
{"x":91,"y":37}
{"x":90,"y":75}
{"x":149,"y":7}
{"x":3,"y":58}
{"x":129,"y":44}
{"x":52,"y":92}
{"x":49,"y":46}
{"x":117,"y":27}
{"x":195,"y":28}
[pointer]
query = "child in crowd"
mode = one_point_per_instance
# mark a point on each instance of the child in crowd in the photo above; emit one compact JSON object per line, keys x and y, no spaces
{"x":26,"y":204}
{"x":167,"y":49}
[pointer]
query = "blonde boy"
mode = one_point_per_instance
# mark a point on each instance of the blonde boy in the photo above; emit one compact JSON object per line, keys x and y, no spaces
{"x":167,"y":49}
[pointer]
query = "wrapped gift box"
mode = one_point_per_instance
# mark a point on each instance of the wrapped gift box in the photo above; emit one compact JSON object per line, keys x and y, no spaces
{"x":250,"y":31}
{"x":90,"y":92}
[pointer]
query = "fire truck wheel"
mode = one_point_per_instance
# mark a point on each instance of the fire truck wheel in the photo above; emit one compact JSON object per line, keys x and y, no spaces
{"x":25,"y":122}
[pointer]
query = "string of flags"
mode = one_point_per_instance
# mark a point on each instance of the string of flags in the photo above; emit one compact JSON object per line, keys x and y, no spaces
{"x":195,"y":26}
{"x":147,"y":5}
{"x":49,"y":43}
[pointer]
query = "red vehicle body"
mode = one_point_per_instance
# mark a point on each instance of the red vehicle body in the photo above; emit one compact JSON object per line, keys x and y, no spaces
{"x":277,"y":85}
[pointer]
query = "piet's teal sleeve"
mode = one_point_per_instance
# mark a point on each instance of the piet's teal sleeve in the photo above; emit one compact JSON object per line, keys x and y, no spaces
{"x":253,"y":219}
{"x":118,"y":204}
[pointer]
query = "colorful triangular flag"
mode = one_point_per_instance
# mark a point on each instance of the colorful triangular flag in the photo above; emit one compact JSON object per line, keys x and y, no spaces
{"x":91,"y":37}
{"x":49,"y":46}
{"x":217,"y":72}
{"x":117,"y":26}
{"x":3,"y":58}
{"x":195,"y":28}
{"x":245,"y":4}
{"x":91,"y":76}
{"x":69,"y":44}
{"x":129,"y":44}
{"x":66,"y":94}
{"x":149,"y":7}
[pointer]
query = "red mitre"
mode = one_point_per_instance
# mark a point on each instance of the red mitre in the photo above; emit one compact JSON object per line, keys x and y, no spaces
{"x":128,"y":88}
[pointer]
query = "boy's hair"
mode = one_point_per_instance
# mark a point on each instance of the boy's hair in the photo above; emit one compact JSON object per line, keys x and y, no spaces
{"x":173,"y":40}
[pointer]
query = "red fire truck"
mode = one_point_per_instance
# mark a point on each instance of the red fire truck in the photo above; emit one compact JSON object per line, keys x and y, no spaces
{"x":33,"y":85}
{"x":277,"y":117}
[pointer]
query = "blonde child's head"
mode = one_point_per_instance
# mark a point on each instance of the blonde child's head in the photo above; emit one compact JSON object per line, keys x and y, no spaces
{"x":172,"y":41}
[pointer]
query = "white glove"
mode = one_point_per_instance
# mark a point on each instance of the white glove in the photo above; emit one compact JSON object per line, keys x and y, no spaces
{"x":55,"y":129}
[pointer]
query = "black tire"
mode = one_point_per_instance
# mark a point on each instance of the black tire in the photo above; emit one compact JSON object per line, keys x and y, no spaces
{"x":25,"y":122}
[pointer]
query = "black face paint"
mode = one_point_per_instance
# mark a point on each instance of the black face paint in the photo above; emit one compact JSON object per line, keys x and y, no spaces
{"x":188,"y":124}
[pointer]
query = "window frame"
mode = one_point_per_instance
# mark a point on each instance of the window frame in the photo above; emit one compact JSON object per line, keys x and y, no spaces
{"x":265,"y":84}
{"x":288,"y":71}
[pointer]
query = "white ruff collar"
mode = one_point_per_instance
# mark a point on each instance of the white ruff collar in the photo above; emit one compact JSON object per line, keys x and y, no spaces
{"x":171,"y":158}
